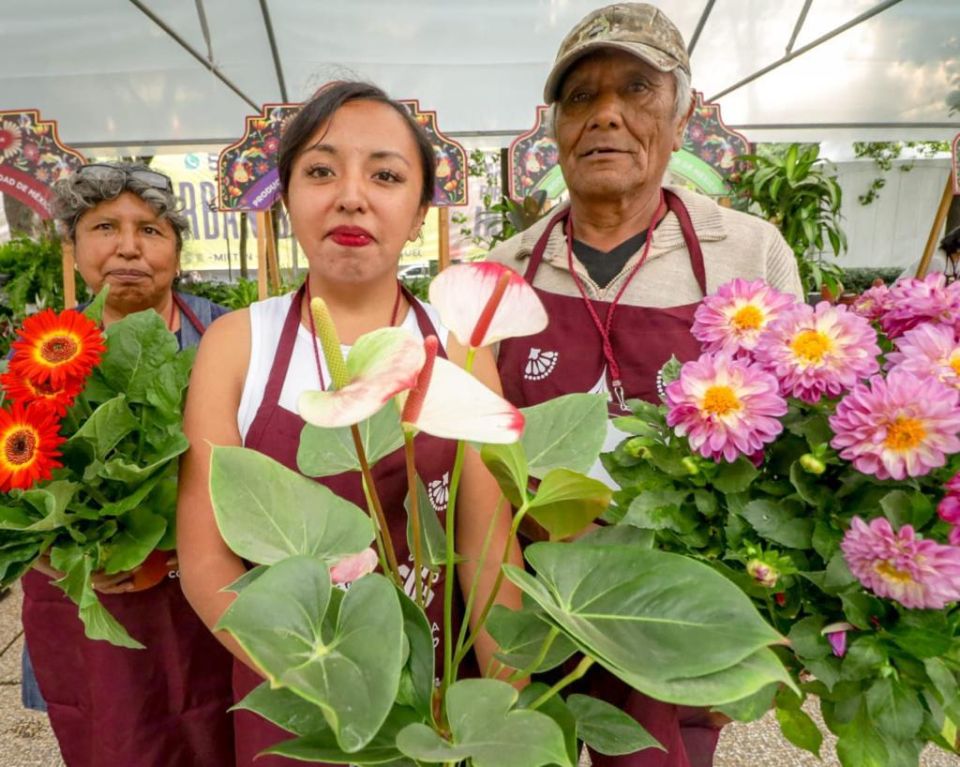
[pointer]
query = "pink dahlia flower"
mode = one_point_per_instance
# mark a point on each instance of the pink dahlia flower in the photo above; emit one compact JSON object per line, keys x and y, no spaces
{"x":912,"y":302}
{"x":725,"y":407}
{"x":899,"y":427}
{"x":949,"y":507}
{"x":917,"y":573}
{"x":872,"y":304}
{"x":817,"y":351}
{"x":732,"y":319}
{"x":929,"y":350}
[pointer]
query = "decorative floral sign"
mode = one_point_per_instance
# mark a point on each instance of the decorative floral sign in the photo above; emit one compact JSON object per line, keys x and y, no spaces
{"x":32,"y":158}
{"x":247,"y":177}
{"x":707,"y":156}
{"x":451,"y":187}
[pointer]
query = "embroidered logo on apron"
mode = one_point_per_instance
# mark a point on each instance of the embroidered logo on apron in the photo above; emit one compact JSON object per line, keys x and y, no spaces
{"x":439,"y":492}
{"x":540,"y":364}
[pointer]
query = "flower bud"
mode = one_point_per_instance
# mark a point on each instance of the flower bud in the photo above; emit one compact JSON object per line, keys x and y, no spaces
{"x":691,"y":465}
{"x":762,"y":573}
{"x":636,"y":447}
{"x":811,"y":464}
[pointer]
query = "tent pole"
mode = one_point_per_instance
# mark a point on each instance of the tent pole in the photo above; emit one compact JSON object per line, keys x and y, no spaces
{"x":935,"y":229}
{"x":808,"y":47}
{"x":700,"y":25}
{"x":799,"y":25}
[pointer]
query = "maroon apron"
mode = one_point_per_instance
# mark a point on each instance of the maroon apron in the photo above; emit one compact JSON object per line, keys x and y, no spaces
{"x":568,"y":357}
{"x":162,"y":706}
{"x":276,"y":432}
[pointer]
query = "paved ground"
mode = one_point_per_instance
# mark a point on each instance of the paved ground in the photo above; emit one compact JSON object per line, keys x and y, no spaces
{"x":26,"y":739}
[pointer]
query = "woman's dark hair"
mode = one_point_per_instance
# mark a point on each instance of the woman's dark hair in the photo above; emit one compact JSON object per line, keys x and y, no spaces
{"x":321,"y":108}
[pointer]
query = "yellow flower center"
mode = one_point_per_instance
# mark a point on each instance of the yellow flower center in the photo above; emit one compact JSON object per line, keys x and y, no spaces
{"x":720,"y":400}
{"x":811,"y":346}
{"x":955,"y":364}
{"x":891,"y":573}
{"x":905,"y":434}
{"x":58,"y":349}
{"x":748,"y":318}
{"x":19,"y":446}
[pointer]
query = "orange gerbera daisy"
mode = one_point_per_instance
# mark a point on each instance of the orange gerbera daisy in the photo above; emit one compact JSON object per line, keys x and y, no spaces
{"x":53,"y":348}
{"x":28,"y":446}
{"x":25,"y":391}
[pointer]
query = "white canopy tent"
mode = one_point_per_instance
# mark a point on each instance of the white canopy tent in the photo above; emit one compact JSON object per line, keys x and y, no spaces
{"x":131,"y":74}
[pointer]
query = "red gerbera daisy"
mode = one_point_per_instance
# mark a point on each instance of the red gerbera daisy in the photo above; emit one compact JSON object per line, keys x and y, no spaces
{"x":53,"y":348}
{"x":25,"y":391}
{"x":28,"y":446}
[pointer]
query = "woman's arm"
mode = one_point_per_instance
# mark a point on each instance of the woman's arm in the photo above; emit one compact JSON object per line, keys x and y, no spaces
{"x":210,"y":418}
{"x":478,"y":502}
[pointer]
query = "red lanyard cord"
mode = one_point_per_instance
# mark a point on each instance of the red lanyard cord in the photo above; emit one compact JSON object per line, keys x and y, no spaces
{"x":605,"y":327}
{"x":313,"y":326}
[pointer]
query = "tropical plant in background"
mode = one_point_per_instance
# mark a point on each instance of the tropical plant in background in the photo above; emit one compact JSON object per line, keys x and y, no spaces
{"x":793,"y":191}
{"x":351,"y":673}
{"x":811,"y":455}
{"x":90,"y":434}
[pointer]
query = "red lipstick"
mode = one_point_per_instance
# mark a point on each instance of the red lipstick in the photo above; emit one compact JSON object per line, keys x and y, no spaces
{"x":350,"y":236}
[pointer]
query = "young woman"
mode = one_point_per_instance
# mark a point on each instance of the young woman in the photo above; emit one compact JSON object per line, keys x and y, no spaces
{"x":357,"y":175}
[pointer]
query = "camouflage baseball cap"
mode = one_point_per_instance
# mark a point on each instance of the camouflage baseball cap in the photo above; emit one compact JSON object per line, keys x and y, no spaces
{"x":636,"y":28}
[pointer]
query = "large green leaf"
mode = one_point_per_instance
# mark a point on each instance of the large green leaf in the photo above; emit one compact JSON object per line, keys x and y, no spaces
{"x":800,"y":729}
{"x":520,"y":637}
{"x":419,"y":664}
{"x":778,"y":522}
{"x":134,"y":473}
{"x":566,"y":432}
{"x":607,"y":729}
{"x":352,"y":674}
{"x":267,"y":512}
{"x":140,"y":532}
{"x":285,"y":709}
{"x":138,"y":346}
{"x":556,"y":708}
{"x":508,"y":465}
{"x":894,"y":708}
{"x":321,"y":746}
{"x":661,"y":510}
{"x":326,"y":452}
{"x":108,"y":424}
{"x":566,"y":502}
{"x":51,"y":501}
{"x":76,"y":566}
{"x":657,"y":614}
{"x":486,"y":731}
{"x":735,"y":477}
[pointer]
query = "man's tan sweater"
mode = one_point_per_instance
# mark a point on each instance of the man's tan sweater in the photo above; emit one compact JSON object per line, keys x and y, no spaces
{"x":734,"y":244}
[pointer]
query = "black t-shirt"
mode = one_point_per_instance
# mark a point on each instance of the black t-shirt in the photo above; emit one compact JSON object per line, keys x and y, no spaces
{"x":603,"y":267}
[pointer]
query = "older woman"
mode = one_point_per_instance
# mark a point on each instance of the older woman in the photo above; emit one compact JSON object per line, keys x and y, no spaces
{"x":165,"y":705}
{"x":357,"y":175}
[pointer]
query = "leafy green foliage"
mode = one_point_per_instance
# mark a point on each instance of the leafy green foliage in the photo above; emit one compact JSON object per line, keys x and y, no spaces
{"x":796,"y":194}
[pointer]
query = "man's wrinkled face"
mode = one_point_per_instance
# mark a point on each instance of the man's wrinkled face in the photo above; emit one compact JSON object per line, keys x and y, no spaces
{"x":616,"y":126}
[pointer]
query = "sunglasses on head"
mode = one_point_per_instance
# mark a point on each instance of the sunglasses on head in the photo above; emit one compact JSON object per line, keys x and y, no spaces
{"x":99,"y":172}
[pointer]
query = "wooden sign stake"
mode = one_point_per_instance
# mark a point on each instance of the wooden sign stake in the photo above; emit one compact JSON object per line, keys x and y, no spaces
{"x":935,"y":229}
{"x":262,"y":218}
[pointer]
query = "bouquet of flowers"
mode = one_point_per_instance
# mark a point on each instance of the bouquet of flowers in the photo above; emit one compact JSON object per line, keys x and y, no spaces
{"x":811,"y":456}
{"x":90,"y":432}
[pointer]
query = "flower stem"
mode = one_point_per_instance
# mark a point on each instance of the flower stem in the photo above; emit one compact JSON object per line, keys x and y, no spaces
{"x":414,"y":498}
{"x":521,"y":513}
{"x":471,"y":597}
{"x":585,"y":663}
{"x":374,"y":501}
{"x":450,"y":563}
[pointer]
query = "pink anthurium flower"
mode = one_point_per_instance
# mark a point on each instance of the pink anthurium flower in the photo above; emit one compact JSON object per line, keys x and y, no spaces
{"x":450,"y":403}
{"x":354,"y":567}
{"x":484,"y":302}
{"x":379,"y":366}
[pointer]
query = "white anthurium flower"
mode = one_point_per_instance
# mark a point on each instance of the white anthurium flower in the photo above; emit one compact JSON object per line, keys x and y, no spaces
{"x":354,"y":567}
{"x":450,"y":403}
{"x":380,"y":365}
{"x":484,"y":302}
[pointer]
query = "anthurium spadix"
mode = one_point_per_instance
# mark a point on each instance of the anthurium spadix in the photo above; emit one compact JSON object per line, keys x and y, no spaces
{"x":379,"y":366}
{"x":450,"y":403}
{"x":482,"y":303}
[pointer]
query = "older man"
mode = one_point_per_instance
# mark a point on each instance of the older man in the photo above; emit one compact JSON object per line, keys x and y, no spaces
{"x":622,"y":268}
